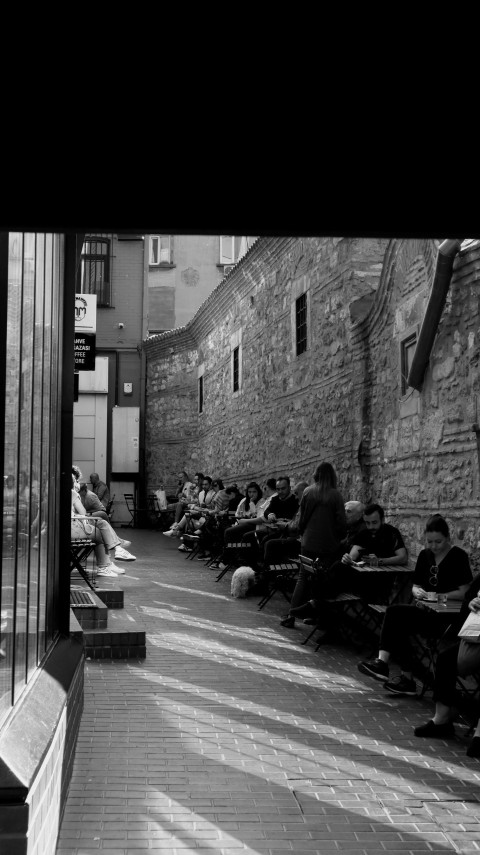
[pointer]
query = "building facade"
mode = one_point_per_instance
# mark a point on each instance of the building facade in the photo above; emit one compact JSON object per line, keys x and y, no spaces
{"x":303,"y":353}
{"x":142,"y":284}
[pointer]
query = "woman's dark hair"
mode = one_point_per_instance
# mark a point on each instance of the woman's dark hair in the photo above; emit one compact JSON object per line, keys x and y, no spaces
{"x":199,"y":475}
{"x":438,"y":523}
{"x":207,"y":478}
{"x":254,"y":486}
{"x":271,"y":482}
{"x":325,"y":481}
{"x":219,"y":483}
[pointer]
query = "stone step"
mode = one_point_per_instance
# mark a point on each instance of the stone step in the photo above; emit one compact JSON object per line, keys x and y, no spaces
{"x":123,"y":639}
{"x":107,"y":590}
{"x":90,"y":611}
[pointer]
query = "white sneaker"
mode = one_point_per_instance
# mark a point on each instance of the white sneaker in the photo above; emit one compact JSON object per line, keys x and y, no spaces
{"x":105,"y":571}
{"x":172,"y":532}
{"x":117,"y":570}
{"x":123,"y":555}
{"x":184,"y":548}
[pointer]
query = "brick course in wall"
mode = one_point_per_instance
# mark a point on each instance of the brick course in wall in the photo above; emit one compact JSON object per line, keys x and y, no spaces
{"x":340,"y":400}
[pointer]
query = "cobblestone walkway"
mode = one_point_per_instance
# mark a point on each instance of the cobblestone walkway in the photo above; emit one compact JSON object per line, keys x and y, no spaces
{"x":232,"y":736}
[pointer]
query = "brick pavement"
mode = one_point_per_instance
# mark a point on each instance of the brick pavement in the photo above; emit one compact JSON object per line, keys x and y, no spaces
{"x":232,"y":736}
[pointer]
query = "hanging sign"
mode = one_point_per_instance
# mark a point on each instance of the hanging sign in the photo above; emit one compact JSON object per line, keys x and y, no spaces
{"x":85,"y":329}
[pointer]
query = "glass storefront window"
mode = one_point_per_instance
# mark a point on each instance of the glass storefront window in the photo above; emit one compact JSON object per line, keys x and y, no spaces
{"x":31,"y":458}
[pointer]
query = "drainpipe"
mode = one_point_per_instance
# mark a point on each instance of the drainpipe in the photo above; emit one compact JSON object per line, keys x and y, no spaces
{"x":441,"y":283}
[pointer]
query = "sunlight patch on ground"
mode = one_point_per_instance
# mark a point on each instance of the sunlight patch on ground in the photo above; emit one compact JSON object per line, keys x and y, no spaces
{"x":253,"y":661}
{"x":215,"y":626}
{"x":196,"y":591}
{"x":326,"y":756}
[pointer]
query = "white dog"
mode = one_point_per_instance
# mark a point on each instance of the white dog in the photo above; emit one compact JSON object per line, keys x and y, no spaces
{"x":242,"y":580}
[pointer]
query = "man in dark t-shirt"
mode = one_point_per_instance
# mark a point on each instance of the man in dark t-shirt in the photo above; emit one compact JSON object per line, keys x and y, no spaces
{"x":379,"y":539}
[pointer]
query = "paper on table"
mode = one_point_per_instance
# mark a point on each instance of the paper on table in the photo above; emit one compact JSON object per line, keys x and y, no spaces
{"x":471,"y":628}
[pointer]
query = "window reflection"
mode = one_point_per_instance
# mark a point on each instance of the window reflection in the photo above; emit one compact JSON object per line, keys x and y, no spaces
{"x":31,"y":458}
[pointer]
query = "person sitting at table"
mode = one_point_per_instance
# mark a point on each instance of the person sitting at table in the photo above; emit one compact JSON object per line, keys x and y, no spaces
{"x":287,"y":544}
{"x":440,"y":568}
{"x":459,"y":659}
{"x":282,"y":508}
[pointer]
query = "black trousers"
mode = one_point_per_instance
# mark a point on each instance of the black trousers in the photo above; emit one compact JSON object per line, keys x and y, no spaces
{"x":400,"y":623}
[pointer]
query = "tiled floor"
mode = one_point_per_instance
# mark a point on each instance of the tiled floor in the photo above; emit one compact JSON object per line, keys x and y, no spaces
{"x":232,"y":736}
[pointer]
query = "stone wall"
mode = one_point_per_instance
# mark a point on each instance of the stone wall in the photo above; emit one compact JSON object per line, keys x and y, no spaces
{"x":341,"y":399}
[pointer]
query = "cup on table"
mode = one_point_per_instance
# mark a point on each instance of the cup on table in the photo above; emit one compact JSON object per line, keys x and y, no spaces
{"x":431,"y":596}
{"x":372,"y":560}
{"x":442,"y":599}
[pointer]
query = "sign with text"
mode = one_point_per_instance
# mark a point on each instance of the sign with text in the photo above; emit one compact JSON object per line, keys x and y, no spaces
{"x":85,"y":313}
{"x":85,"y":352}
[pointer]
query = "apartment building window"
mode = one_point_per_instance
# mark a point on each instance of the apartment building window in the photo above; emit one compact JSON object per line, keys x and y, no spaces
{"x":407,"y":351}
{"x":236,"y":369}
{"x":160,"y":251}
{"x":200,"y":394}
{"x":95,"y":269}
{"x":301,"y":324}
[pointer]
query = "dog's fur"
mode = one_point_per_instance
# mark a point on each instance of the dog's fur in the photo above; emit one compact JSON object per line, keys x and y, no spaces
{"x":242,"y":580}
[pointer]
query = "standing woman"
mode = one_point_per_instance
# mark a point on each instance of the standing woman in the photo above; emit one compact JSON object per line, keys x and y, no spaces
{"x":322,"y":526}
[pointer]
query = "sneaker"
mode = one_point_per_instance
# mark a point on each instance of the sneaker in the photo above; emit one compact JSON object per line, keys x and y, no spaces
{"x":183,"y":548}
{"x":121,"y":554}
{"x":172,"y":532}
{"x":221,"y":565}
{"x":401,"y":686}
{"x":375,"y":668}
{"x":437,"y":731}
{"x":289,"y":621}
{"x":105,"y":571}
{"x":117,"y":570}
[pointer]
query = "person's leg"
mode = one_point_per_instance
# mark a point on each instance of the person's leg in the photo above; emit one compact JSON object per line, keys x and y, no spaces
{"x":399,"y":624}
{"x":101,"y":515}
{"x":440,"y":726}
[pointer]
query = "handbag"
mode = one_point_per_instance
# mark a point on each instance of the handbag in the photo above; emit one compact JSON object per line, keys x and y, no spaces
{"x":162,"y":499}
{"x":84,"y":529}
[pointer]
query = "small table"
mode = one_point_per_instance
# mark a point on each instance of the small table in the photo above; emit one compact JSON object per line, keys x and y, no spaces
{"x":403,"y":577}
{"x":431,"y":648}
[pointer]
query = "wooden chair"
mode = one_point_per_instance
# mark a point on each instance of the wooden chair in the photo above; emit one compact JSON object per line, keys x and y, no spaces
{"x":135,"y":512}
{"x":280,"y":577}
{"x":80,"y":551}
{"x":160,"y":517}
{"x":340,"y":604}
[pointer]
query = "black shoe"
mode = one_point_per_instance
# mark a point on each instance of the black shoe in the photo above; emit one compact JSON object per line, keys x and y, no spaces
{"x":437,"y":731}
{"x":288,"y":621}
{"x":375,"y":668}
{"x":307,"y":610}
{"x":473,"y":749}
{"x":401,"y":686}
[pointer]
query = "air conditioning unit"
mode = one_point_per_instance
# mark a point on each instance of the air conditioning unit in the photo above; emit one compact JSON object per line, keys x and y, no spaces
{"x":227,"y":268}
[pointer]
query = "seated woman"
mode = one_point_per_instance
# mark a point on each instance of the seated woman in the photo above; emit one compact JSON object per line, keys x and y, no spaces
{"x":84,"y":528}
{"x":459,"y":659}
{"x":247,"y":513}
{"x":441,"y":568}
